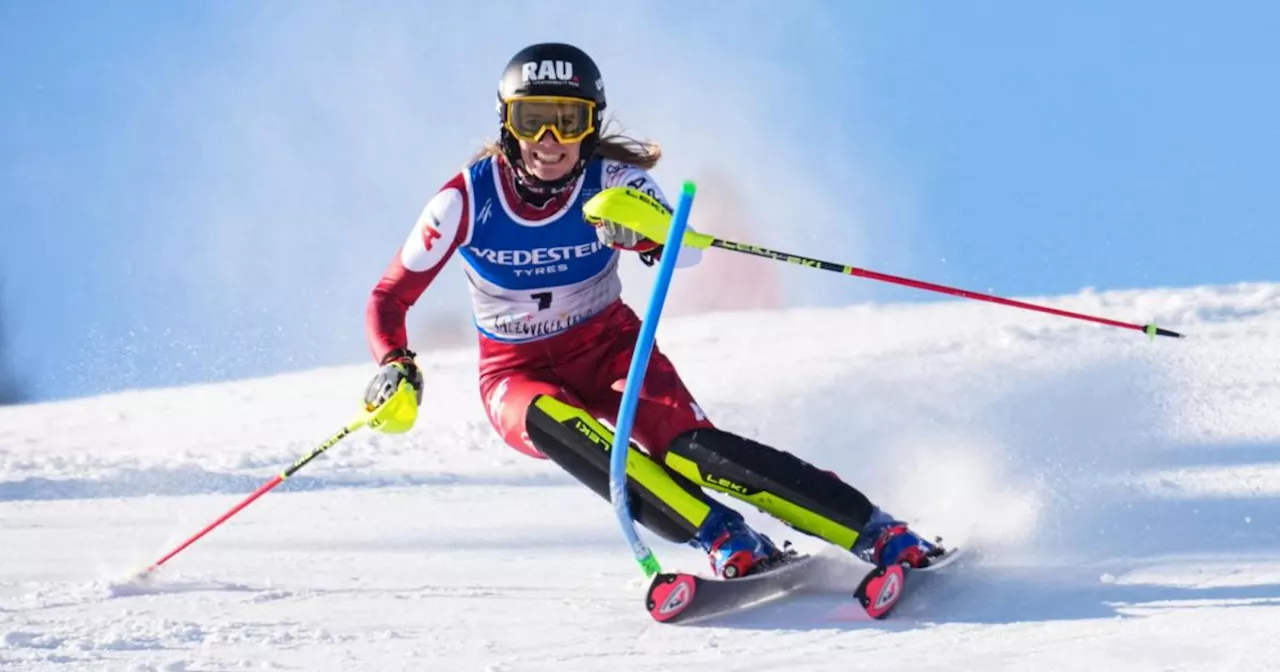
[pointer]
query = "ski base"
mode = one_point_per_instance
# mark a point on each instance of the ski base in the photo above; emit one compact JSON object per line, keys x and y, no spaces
{"x":679,"y":597}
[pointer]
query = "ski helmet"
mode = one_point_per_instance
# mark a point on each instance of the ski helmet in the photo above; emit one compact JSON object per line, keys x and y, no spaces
{"x":565,"y":78}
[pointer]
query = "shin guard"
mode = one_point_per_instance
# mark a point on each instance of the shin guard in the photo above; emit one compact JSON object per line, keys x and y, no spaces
{"x":808,"y":499}
{"x":667,"y":505}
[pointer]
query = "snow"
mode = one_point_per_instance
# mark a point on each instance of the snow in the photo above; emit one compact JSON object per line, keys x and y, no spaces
{"x":1122,"y":496}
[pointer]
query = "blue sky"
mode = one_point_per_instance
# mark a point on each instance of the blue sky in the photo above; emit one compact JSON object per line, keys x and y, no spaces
{"x":206,"y":190}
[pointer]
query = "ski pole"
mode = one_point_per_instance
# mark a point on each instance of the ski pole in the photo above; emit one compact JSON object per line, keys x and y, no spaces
{"x":402,"y":402}
{"x":644,"y":214}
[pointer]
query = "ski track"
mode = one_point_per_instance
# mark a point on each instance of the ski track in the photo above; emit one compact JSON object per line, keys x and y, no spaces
{"x":1122,"y":498}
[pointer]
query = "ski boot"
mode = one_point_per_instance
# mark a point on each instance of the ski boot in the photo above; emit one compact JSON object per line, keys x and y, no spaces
{"x":885,"y":541}
{"x":733,"y":548}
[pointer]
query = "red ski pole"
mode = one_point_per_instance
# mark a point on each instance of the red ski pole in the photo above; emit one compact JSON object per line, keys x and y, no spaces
{"x":1149,"y":329}
{"x":397,"y":411}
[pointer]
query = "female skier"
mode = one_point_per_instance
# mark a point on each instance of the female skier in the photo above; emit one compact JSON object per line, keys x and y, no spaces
{"x":556,"y":340}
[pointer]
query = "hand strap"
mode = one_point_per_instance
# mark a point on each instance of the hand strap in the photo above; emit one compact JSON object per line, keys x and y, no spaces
{"x":397,"y":354}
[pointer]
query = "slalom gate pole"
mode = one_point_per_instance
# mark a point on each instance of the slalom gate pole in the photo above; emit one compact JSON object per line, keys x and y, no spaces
{"x":636,"y":210}
{"x":635,"y":377}
{"x":360,"y":421}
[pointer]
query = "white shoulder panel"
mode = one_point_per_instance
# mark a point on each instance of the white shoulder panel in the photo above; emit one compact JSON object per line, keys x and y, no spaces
{"x":433,"y":235}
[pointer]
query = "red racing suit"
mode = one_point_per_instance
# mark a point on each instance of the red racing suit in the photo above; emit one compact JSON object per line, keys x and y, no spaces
{"x":546,"y":300}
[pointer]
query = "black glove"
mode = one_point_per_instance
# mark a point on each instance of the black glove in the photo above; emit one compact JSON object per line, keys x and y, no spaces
{"x":397,"y":365}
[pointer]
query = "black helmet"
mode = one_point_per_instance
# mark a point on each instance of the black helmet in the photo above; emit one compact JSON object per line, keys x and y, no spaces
{"x":550,"y":69}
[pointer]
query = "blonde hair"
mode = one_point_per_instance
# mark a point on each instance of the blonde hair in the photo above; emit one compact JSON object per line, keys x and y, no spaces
{"x":615,"y":146}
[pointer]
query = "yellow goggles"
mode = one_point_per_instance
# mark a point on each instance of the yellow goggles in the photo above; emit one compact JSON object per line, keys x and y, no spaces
{"x":568,"y":119}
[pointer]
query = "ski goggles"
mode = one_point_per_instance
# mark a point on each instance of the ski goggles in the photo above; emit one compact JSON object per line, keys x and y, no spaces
{"x":568,"y":119}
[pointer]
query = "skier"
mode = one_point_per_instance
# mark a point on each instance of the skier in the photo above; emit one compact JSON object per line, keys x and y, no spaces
{"x":556,"y":340}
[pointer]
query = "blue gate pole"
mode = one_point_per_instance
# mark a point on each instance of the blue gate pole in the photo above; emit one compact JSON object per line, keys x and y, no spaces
{"x":635,"y":376}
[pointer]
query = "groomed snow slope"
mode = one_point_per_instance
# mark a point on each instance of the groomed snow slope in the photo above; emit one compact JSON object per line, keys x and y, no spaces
{"x":1124,"y":496}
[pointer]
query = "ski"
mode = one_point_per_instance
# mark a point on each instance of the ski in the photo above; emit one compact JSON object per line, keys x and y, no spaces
{"x":680,"y":597}
{"x":683,"y":597}
{"x":883,"y":588}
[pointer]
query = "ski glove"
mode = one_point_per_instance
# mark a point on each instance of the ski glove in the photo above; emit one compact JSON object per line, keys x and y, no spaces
{"x":619,"y":237}
{"x":397,"y":365}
